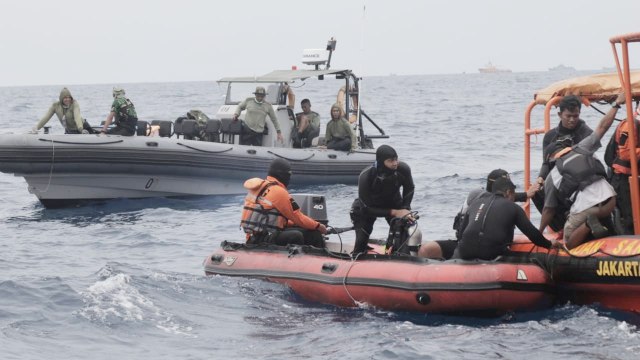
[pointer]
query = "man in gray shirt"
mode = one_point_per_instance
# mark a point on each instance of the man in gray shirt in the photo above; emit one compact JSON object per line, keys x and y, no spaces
{"x":255,"y":118}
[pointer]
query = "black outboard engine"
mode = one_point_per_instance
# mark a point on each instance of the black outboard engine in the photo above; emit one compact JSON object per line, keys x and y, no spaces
{"x":312,"y":205}
{"x":404,"y":237}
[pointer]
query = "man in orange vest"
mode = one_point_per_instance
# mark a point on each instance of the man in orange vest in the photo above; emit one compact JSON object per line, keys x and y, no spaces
{"x":270,"y":215}
{"x":618,"y":156}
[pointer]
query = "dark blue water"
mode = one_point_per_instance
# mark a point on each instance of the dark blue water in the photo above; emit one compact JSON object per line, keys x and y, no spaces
{"x":124,"y":279}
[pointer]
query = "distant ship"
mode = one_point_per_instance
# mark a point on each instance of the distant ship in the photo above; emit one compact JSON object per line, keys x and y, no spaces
{"x":561,"y":67}
{"x":490,"y":68}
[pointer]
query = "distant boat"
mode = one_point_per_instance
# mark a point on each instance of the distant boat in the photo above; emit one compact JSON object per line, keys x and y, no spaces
{"x":561,"y":67}
{"x":490,"y":68}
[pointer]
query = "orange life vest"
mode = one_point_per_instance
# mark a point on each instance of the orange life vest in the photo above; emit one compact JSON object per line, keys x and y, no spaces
{"x":259,"y":216}
{"x":621,"y":163}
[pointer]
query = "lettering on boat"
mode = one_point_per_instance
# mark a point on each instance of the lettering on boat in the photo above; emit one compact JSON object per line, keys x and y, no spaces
{"x":618,"y":268}
{"x":627,"y":248}
{"x":229,"y":260}
{"x":586,"y":249}
{"x":521,"y":276}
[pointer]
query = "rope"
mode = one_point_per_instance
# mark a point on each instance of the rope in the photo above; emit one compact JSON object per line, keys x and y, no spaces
{"x":603,"y":113}
{"x":53,"y":158}
{"x":344,"y":281}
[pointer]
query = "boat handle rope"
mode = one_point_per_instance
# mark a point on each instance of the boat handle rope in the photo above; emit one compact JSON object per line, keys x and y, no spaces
{"x":80,"y":143}
{"x":286,"y":158}
{"x":344,"y":281}
{"x":53,"y":160}
{"x":206,"y":151}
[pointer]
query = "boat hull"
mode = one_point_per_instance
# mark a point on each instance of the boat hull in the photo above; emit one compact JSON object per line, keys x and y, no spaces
{"x":604,"y":271}
{"x":399,"y":283}
{"x":62,"y":169}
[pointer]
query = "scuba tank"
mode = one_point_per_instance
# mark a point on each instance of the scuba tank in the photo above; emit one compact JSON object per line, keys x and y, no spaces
{"x":404,"y":237}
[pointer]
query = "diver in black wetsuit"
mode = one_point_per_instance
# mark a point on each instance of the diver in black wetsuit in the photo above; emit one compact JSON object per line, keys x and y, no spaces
{"x":379,"y":194}
{"x":443,"y":249}
{"x":488,"y":230}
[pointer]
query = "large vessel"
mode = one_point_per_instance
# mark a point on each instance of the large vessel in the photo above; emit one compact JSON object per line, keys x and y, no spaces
{"x":490,"y":68}
{"x":192,"y":157}
{"x":562,"y":67}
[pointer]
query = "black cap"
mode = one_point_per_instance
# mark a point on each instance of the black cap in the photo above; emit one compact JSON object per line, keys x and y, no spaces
{"x":495,"y":175}
{"x":281,"y":170}
{"x":501,"y":185}
{"x":385,"y":152}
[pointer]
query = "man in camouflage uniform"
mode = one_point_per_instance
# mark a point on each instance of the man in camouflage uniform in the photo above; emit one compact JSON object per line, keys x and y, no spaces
{"x":308,"y":126}
{"x":124,"y":113}
{"x":255,"y":118}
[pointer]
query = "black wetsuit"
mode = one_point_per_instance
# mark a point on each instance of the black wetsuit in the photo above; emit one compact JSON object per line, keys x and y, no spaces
{"x":577,"y":134}
{"x":378,"y":193}
{"x":490,"y":225}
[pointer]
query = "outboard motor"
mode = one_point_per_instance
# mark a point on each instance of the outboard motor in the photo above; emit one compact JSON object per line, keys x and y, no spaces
{"x":312,"y":205}
{"x":404,"y":237}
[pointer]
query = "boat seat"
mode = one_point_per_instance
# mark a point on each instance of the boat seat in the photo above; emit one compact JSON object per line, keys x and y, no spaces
{"x":166,"y":127}
{"x":212,"y":130}
{"x":141,"y":128}
{"x":229,"y":129}
{"x":190,"y":129}
{"x":177,"y":126}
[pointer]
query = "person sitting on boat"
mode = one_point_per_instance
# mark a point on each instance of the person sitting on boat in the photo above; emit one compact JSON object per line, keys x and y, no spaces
{"x":255,"y":118}
{"x":271,"y":215}
{"x":570,"y":130}
{"x":339,"y":135}
{"x":308,"y":126}
{"x":443,"y":249}
{"x":68,"y":112}
{"x":379,"y":194}
{"x":578,"y":180}
{"x":618,"y":158}
{"x":488,"y":230}
{"x":124,"y":113}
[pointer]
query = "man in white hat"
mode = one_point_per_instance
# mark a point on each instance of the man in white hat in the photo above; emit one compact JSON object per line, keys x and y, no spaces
{"x":255,"y":118}
{"x":124,"y":113}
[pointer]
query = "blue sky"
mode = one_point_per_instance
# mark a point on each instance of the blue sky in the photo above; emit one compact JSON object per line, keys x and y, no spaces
{"x":86,"y":42}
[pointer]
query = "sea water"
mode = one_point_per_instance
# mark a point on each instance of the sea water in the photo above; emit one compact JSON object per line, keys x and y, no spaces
{"x":124,"y":279}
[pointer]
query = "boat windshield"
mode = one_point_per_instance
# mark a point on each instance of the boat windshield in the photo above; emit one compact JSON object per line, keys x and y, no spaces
{"x":238,"y":91}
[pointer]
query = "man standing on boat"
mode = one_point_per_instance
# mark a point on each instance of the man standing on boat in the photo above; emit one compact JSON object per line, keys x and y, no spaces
{"x":488,"y":230}
{"x":379,"y":195}
{"x":255,"y":118}
{"x":578,"y":180}
{"x":270,"y":215}
{"x":124,"y":113}
{"x":570,"y":131}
